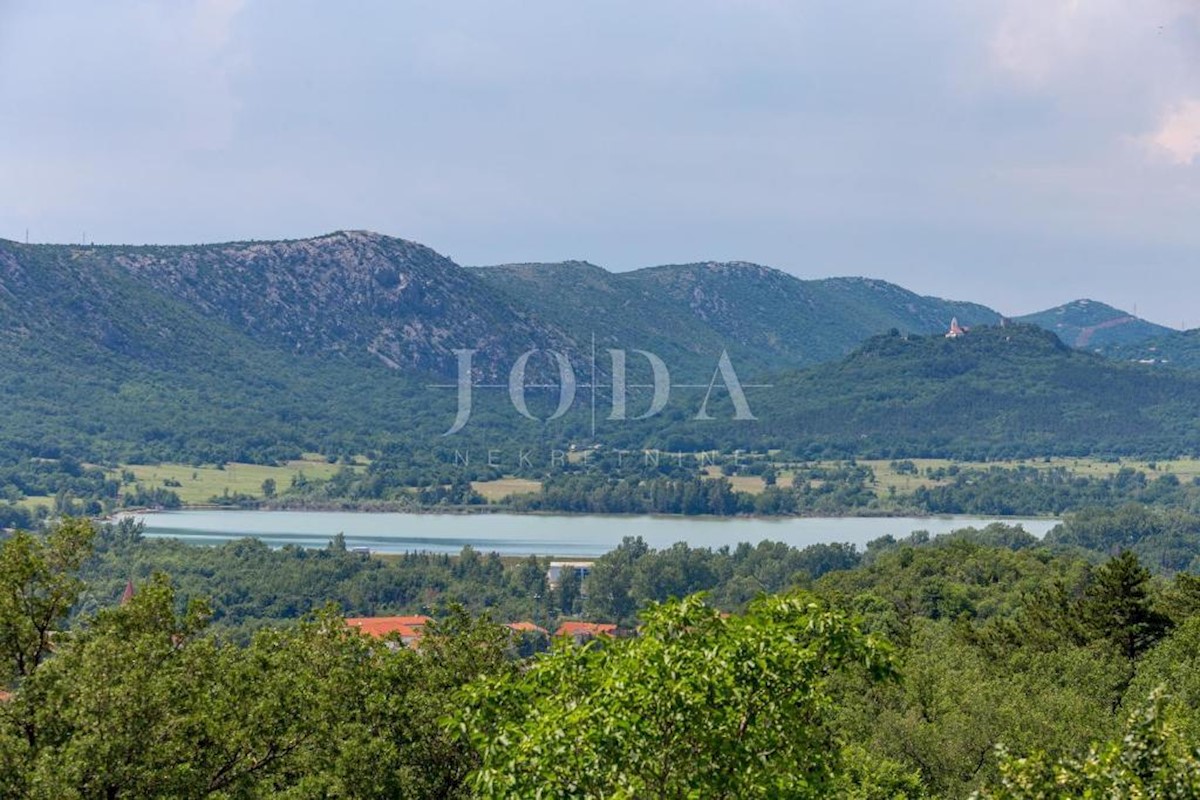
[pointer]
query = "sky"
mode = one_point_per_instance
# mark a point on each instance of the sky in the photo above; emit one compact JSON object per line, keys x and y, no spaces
{"x":1016,"y":153}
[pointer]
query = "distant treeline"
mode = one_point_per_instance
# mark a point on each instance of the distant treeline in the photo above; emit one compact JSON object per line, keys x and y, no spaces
{"x":251,"y":584}
{"x":601,"y":488}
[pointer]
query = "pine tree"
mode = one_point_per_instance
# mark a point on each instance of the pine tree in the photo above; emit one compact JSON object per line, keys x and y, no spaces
{"x":1117,"y":607}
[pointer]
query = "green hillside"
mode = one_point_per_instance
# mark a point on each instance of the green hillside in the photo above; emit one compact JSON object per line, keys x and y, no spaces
{"x":586,"y":301}
{"x":807,"y":322}
{"x":356,"y":295}
{"x":101,"y":365}
{"x":1179,"y":349}
{"x":1090,"y":325}
{"x":764,"y":317}
{"x":996,"y":392}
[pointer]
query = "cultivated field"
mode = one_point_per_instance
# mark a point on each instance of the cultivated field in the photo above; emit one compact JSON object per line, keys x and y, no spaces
{"x":500,"y":488}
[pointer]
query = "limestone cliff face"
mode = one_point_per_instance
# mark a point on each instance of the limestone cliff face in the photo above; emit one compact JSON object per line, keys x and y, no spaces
{"x":356,"y":294}
{"x":352,"y":292}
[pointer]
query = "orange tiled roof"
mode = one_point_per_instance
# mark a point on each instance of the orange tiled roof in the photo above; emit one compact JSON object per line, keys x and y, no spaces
{"x":586,"y":629}
{"x":382,"y":626}
{"x":524,"y":627}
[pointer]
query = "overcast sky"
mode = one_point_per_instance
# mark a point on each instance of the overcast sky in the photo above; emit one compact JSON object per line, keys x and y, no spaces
{"x":1019,"y":153}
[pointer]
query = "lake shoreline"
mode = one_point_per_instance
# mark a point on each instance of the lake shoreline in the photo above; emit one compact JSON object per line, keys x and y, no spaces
{"x":581,"y":536}
{"x":488,"y":510}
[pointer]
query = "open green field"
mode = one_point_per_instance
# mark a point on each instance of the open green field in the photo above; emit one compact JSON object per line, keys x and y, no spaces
{"x":201,"y":484}
{"x":887,"y":478}
{"x":751,"y":484}
{"x":33,"y":501}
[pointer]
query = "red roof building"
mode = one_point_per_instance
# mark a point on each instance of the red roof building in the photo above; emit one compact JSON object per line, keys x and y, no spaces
{"x":526,"y":627}
{"x":409,"y":628}
{"x":584,"y":631}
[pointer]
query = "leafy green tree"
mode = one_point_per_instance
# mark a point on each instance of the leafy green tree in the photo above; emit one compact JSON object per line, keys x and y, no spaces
{"x":143,"y":702}
{"x":1181,"y":600}
{"x":38,"y":587}
{"x":268,"y":488}
{"x":569,"y":592}
{"x":527,"y":580}
{"x":379,"y":732}
{"x":957,"y":701}
{"x":866,"y":774}
{"x":698,"y":705}
{"x":1150,"y":760}
{"x":140,"y":703}
{"x":610,"y":583}
{"x":1173,"y":662}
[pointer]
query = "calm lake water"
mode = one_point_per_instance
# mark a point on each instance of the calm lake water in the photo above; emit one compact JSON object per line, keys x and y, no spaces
{"x":517,"y":534}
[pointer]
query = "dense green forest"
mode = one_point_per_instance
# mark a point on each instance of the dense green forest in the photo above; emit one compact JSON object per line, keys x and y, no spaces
{"x":1177,"y":350}
{"x":983,"y":661}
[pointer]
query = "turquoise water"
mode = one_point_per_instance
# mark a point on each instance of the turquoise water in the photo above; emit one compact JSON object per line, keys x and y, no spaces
{"x":518,"y":534}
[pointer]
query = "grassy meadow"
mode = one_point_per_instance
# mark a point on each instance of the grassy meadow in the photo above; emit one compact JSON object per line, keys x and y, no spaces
{"x":197,"y":485}
{"x":494,"y":491}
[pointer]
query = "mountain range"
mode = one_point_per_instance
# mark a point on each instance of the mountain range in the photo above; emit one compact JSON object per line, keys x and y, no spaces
{"x":765,"y":317}
{"x":256,"y":350}
{"x":366,"y":297}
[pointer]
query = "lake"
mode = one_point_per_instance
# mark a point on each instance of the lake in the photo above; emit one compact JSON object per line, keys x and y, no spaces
{"x":520,"y":534}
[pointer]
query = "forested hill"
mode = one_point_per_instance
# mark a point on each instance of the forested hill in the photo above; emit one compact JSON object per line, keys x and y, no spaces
{"x":1090,"y":325}
{"x":765,"y":317}
{"x":1011,"y":390}
{"x":812,"y":321}
{"x":1178,"y":349}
